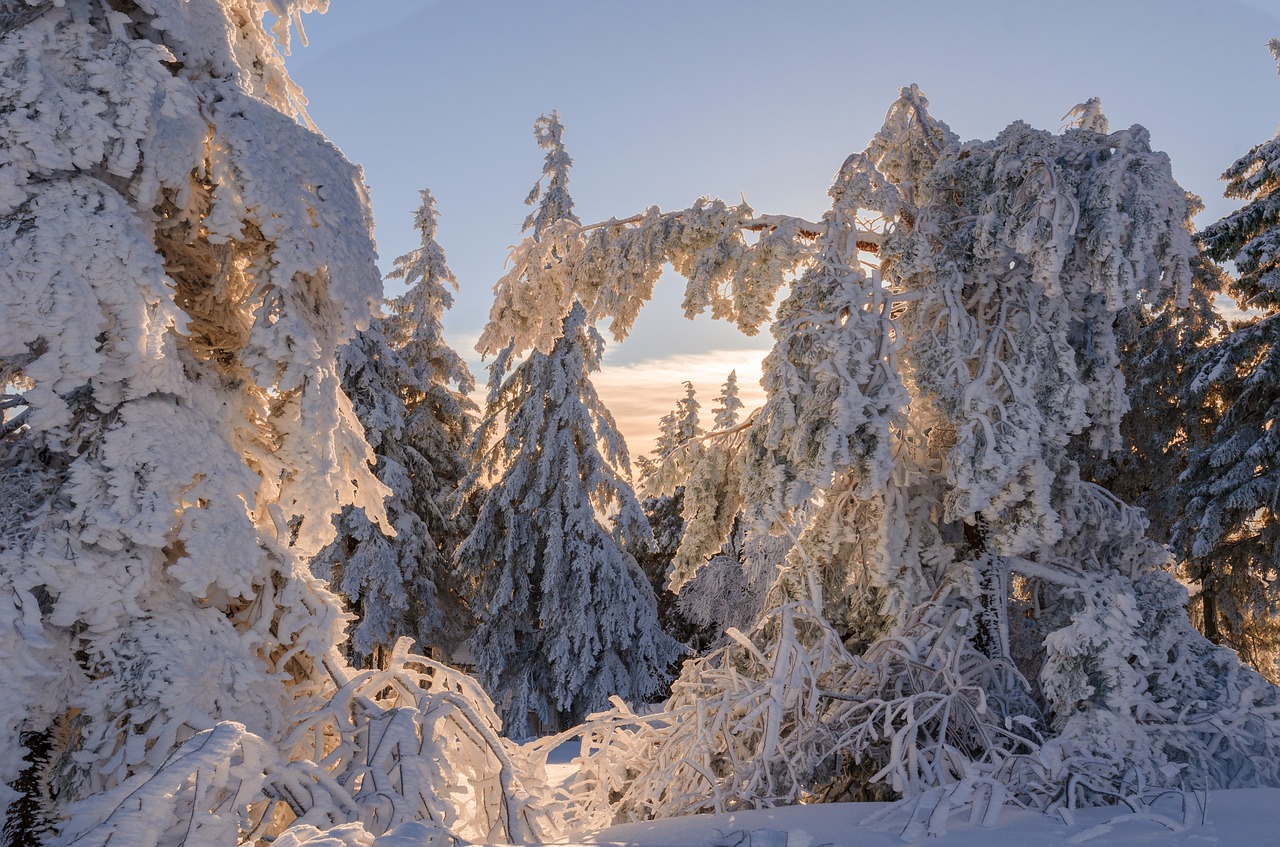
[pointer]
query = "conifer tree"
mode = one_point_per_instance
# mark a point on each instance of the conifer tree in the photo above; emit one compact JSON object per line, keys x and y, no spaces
{"x":184,"y":255}
{"x":678,"y":446}
{"x":176,"y":333}
{"x":566,"y":616}
{"x":703,"y":473}
{"x":707,"y":471}
{"x":1230,"y":533}
{"x":1026,"y":607}
{"x":728,"y":405}
{"x":410,"y":393}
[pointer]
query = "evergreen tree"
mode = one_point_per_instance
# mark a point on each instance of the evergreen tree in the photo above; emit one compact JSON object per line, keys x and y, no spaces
{"x":696,"y":608}
{"x":729,"y":589}
{"x":400,"y":374}
{"x":566,"y":616}
{"x":176,"y":326}
{"x":704,"y":469}
{"x":927,"y":455}
{"x":678,"y":446}
{"x":1231,"y":529}
{"x":183,"y":258}
{"x":728,"y":405}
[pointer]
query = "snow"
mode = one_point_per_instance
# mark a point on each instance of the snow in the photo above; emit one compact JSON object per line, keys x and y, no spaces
{"x":1248,"y":816}
{"x":961,"y":619}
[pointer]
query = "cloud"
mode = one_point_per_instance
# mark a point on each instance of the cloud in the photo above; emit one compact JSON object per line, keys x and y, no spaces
{"x":640,"y":393}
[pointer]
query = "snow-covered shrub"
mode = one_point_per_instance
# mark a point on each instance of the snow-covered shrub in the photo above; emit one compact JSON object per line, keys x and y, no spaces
{"x":745,"y":727}
{"x":415,"y":742}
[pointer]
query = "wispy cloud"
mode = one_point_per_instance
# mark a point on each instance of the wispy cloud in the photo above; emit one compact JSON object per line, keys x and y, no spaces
{"x":640,"y":393}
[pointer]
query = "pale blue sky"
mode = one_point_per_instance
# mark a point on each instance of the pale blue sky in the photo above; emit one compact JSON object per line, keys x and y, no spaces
{"x":667,"y":100}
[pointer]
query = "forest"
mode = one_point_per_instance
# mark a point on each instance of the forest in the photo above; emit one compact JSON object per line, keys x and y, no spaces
{"x":276,"y":570}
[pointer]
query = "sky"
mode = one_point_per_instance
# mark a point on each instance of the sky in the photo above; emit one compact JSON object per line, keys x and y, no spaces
{"x":664,"y":101}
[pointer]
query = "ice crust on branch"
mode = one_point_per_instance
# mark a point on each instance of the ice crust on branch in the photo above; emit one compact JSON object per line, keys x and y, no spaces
{"x":611,"y":269}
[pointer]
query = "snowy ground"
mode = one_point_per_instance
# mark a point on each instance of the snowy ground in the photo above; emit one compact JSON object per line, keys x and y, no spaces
{"x":1241,"y":818}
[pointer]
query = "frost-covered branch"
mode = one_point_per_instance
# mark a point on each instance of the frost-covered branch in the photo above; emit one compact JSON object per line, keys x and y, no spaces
{"x":612,"y":266}
{"x":414,"y":742}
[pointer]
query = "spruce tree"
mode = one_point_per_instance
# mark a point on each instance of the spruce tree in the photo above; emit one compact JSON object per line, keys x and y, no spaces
{"x":706,"y":534}
{"x":1230,"y":533}
{"x":566,"y":616}
{"x":409,"y":389}
{"x":183,"y":257}
{"x":728,"y":406}
{"x":707,"y":472}
{"x":927,"y":455}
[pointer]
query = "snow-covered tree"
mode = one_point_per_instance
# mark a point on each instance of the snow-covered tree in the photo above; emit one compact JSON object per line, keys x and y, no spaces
{"x":1230,"y":531}
{"x":1161,"y":348}
{"x":176,"y":328}
{"x":1012,"y":623}
{"x":183,"y":257}
{"x":566,"y":617}
{"x":833,"y":393}
{"x":678,"y":445}
{"x":1020,"y":254}
{"x":701,"y":530}
{"x":409,"y":389}
{"x":1159,"y":345}
{"x":704,"y":469}
{"x":728,"y":406}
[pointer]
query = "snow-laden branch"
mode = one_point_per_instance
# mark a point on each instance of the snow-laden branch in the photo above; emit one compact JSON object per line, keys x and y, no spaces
{"x":611,"y":267}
